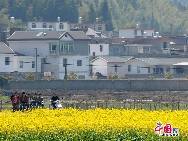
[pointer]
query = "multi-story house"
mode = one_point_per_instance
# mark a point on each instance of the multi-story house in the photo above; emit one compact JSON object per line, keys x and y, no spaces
{"x":58,"y":50}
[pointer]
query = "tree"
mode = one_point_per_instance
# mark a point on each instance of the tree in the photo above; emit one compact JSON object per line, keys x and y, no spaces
{"x":106,"y":15}
{"x":92,"y":14}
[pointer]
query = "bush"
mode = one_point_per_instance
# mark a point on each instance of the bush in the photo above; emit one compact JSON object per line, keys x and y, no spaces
{"x":168,"y":75}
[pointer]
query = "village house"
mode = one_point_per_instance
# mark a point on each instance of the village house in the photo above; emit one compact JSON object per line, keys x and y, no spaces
{"x":130,"y":67}
{"x":136,"y":32}
{"x":48,"y":26}
{"x":15,"y":63}
{"x":57,"y":50}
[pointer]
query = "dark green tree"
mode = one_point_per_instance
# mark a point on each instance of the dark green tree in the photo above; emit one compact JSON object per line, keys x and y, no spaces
{"x":106,"y":15}
{"x":92,"y":14}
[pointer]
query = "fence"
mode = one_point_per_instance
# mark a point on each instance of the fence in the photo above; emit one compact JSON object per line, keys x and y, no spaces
{"x":128,"y":85}
{"x":149,"y":105}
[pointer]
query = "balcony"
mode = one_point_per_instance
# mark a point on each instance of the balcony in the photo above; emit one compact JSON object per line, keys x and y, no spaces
{"x":53,"y":52}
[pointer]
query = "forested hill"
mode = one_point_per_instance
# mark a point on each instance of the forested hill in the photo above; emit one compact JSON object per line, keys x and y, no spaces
{"x":167,"y":16}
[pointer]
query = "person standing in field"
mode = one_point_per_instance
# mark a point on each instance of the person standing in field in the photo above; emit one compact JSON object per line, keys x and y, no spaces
{"x":15,"y":101}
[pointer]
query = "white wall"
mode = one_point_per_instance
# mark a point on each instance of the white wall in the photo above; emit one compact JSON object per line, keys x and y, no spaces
{"x":27,"y":64}
{"x":55,"y":26}
{"x":56,"y":66}
{"x":96,"y":48}
{"x":15,"y":63}
{"x":28,"y":47}
{"x":137,"y":67}
{"x":100,"y":66}
{"x":7,"y":68}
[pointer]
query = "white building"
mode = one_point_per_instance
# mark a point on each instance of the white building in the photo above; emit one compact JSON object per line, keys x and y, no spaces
{"x":55,"y":47}
{"x":107,"y":66}
{"x":99,"y":49}
{"x":45,"y":26}
{"x":15,"y":62}
{"x":136,"y":32}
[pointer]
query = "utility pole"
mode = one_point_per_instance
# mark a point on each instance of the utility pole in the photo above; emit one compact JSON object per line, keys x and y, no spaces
{"x":65,"y":66}
{"x":36,"y":68}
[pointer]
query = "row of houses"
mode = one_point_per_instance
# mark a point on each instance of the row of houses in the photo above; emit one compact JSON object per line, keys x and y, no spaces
{"x":131,"y":67}
{"x":89,"y":53}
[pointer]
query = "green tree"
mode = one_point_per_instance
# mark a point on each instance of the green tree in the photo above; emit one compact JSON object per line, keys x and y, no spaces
{"x":106,"y":15}
{"x":92,"y":14}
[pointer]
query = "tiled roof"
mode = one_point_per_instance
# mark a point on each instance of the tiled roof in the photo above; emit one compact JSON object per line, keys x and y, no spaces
{"x":164,"y":61}
{"x":47,"y":35}
{"x":78,"y":35}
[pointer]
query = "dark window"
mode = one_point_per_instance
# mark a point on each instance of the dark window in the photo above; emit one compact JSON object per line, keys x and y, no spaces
{"x":21,"y":64}
{"x":164,"y":45}
{"x":44,"y":25}
{"x":115,"y":68}
{"x":61,"y":26}
{"x":79,"y":62}
{"x":50,"y":26}
{"x":101,"y":48}
{"x":93,"y":54}
{"x":34,"y":25}
{"x":129,"y":68}
{"x":7,"y":61}
{"x":149,"y":70}
{"x":64,"y":61}
{"x":33,"y":64}
{"x":54,"y":47}
{"x":99,"y":27}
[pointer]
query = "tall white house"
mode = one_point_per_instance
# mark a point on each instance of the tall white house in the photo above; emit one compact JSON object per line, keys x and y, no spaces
{"x":56,"y":49}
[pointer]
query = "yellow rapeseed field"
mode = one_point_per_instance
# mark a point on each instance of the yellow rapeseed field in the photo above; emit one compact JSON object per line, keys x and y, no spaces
{"x":99,"y":120}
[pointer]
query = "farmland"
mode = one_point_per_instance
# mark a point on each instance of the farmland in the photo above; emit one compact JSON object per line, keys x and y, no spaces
{"x":92,"y":124}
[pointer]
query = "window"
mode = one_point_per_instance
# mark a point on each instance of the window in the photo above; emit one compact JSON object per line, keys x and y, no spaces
{"x":138,"y":69}
{"x":53,"y":48}
{"x":33,"y":64}
{"x":129,"y":68}
{"x":115,"y":68}
{"x":101,"y":48}
{"x":50,"y":26}
{"x":93,"y":54}
{"x":7,"y":61}
{"x":67,"y":47}
{"x":79,"y":62}
{"x":149,"y":70}
{"x":44,"y":25}
{"x":164,"y":45}
{"x":21,"y":64}
{"x":61,"y":26}
{"x":99,"y":27}
{"x":34,"y":25}
{"x":64,"y":61}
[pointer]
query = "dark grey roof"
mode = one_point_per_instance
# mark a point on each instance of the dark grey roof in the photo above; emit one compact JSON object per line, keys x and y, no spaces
{"x":4,"y":49}
{"x":78,"y":35}
{"x":47,"y":35}
{"x":163,"y":61}
{"x":35,"y":35}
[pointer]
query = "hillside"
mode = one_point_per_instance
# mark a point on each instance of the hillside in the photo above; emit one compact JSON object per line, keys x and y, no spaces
{"x":167,"y":16}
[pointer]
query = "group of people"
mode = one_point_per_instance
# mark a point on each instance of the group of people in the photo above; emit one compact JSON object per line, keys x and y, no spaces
{"x":23,"y":101}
